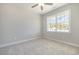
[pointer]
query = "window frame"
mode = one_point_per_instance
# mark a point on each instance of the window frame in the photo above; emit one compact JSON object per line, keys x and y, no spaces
{"x":56,"y":22}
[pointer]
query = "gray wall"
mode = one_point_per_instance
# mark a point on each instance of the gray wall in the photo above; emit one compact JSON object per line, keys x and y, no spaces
{"x":73,"y":36}
{"x":17,"y":22}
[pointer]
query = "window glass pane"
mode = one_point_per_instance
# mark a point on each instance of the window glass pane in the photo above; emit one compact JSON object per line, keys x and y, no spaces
{"x":63,"y":21}
{"x":60,"y":22}
{"x":67,"y":21}
{"x":51,"y":22}
{"x":48,"y":24}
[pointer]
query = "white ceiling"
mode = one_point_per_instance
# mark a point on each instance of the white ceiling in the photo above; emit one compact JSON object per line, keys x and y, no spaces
{"x":47,"y":8}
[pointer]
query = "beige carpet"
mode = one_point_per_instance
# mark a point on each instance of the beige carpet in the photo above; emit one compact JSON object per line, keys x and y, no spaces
{"x":39,"y":47}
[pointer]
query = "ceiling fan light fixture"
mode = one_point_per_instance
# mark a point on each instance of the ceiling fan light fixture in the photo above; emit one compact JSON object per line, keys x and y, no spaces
{"x":41,"y":4}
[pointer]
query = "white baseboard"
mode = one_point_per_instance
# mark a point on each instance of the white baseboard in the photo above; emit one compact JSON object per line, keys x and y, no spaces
{"x":18,"y":42}
{"x":65,"y":42}
{"x":26,"y":40}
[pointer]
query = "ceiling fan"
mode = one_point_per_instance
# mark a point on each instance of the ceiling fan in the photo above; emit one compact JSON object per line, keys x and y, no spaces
{"x":41,"y":5}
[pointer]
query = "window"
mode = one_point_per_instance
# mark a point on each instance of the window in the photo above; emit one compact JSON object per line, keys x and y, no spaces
{"x":51,"y":23}
{"x":59,"y":22}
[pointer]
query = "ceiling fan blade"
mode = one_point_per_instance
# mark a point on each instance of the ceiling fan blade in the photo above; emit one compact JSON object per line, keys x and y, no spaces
{"x":41,"y":7}
{"x":48,"y":3}
{"x":34,"y":5}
